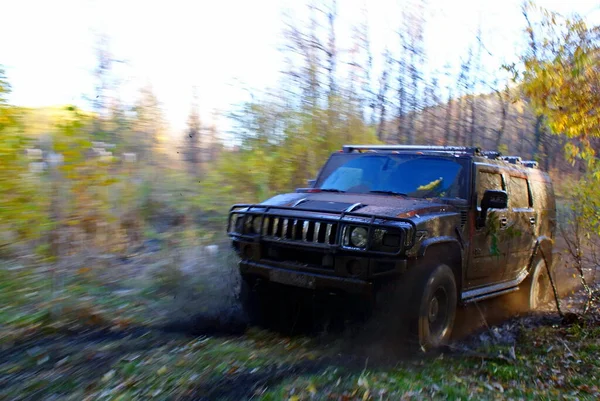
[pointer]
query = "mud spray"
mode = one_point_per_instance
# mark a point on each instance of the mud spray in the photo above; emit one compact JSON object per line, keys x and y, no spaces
{"x":208,"y":305}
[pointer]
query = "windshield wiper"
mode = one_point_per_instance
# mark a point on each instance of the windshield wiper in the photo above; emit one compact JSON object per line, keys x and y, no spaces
{"x":387,"y":192}
{"x":330,"y":190}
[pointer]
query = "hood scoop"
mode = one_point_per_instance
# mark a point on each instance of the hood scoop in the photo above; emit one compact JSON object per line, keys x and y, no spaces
{"x":328,"y":206}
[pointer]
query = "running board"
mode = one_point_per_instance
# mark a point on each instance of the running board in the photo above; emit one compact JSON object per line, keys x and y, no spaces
{"x":479,"y":294}
{"x":489,"y":295}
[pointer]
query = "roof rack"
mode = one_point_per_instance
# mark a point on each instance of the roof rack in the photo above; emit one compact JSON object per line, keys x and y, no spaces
{"x":422,"y":148}
{"x":470,"y":150}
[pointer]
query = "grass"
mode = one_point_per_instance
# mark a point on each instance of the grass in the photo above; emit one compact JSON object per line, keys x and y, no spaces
{"x":94,"y":334}
{"x":548,"y":361}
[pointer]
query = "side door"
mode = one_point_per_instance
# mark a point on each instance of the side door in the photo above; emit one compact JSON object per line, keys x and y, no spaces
{"x":521,"y":234}
{"x":488,"y":247}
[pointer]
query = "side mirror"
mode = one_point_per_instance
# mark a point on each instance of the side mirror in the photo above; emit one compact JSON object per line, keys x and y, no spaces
{"x":492,"y":199}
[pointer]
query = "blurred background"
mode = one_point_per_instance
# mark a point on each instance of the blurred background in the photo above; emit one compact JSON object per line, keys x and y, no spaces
{"x":127,"y":129}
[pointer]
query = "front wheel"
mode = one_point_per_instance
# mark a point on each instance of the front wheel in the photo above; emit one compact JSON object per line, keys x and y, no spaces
{"x":256,"y":303}
{"x":433,"y":306}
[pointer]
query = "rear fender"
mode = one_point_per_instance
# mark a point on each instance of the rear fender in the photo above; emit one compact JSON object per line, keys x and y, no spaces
{"x":543,"y":249}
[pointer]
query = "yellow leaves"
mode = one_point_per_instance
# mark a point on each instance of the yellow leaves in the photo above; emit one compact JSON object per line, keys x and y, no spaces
{"x":294,"y":398}
{"x":312,"y":389}
{"x":430,"y":186}
{"x":162,"y":371}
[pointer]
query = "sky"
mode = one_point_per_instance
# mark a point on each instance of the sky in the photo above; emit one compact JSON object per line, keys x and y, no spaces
{"x":228,"y":50}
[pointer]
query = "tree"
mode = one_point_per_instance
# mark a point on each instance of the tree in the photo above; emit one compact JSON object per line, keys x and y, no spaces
{"x":6,"y":115}
{"x":401,"y":81}
{"x":192,"y":138}
{"x":561,"y":78}
{"x":503,"y":97}
{"x":21,"y":204}
{"x":382,"y":100}
{"x":415,"y":47}
{"x":148,"y":123}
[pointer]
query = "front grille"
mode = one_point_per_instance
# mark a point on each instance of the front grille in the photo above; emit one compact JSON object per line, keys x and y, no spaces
{"x":291,"y":229}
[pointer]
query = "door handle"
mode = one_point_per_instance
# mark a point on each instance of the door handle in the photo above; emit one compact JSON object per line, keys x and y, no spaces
{"x":503,"y":221}
{"x":532,"y":221}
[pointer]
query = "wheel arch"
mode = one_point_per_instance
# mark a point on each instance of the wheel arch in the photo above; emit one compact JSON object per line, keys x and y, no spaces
{"x":447,"y":250}
{"x":542,"y":249}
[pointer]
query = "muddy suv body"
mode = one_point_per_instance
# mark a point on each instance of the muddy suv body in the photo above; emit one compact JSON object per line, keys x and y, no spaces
{"x":442,"y":226}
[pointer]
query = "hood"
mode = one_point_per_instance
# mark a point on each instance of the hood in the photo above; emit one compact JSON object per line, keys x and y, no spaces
{"x":382,"y":205}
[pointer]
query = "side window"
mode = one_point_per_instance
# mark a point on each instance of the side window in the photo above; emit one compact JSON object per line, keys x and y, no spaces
{"x":485,"y":181}
{"x":519,"y":193}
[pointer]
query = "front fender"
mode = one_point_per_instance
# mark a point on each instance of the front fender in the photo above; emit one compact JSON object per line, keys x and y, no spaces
{"x":445,"y":249}
{"x":446,"y":240}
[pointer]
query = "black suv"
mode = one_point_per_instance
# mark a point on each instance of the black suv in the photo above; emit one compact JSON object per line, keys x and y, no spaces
{"x":441,"y":226}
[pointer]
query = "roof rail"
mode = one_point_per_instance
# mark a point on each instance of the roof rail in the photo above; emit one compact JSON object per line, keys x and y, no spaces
{"x":530,"y":163}
{"x":512,"y":159}
{"x":423,"y":148}
{"x":491,"y":154}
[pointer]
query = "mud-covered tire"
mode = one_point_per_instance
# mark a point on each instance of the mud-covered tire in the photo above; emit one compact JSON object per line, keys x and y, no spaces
{"x":432,"y":306}
{"x":536,"y":290}
{"x":256,"y":303}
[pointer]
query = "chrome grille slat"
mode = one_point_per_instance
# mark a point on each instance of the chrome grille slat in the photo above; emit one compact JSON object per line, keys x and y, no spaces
{"x":304,"y":230}
{"x":284,"y":229}
{"x":316,"y":232}
{"x":293,"y":236}
{"x":301,"y":230}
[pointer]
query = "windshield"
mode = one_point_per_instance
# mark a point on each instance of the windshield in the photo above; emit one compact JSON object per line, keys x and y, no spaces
{"x":395,"y":174}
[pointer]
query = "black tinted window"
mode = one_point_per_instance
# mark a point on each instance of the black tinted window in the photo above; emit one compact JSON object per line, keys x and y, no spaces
{"x":413,"y":175}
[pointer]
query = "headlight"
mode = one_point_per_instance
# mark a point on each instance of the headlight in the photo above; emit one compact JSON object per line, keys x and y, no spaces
{"x":252,"y":224}
{"x":237,"y":221}
{"x":359,"y":237}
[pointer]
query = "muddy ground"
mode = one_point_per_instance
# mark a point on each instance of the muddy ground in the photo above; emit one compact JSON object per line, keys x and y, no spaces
{"x":82,"y":363}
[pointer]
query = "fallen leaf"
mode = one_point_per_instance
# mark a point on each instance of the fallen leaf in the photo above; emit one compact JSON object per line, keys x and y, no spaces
{"x":162,"y":370}
{"x":512,"y":353}
{"x":366,"y":395}
{"x":294,"y":398}
{"x":108,"y":375}
{"x":43,"y":360}
{"x":312,"y":389}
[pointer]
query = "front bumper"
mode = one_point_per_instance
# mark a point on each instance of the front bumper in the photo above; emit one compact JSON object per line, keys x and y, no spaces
{"x":303,"y":279}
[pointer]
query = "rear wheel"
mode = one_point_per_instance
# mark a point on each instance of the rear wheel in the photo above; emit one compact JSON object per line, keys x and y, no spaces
{"x":432,"y":306}
{"x":534,"y":292}
{"x":538,"y":290}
